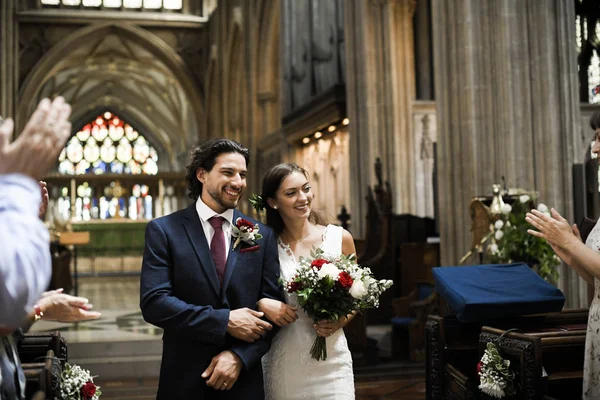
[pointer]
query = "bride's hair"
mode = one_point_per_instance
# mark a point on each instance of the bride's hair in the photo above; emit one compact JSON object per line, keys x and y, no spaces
{"x":271,"y":183}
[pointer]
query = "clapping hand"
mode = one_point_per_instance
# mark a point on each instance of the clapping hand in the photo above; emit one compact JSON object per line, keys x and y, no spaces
{"x":35,"y":150}
{"x":554,"y":228}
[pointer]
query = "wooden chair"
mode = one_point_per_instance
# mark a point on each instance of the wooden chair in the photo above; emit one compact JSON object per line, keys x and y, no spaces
{"x":408,"y":324}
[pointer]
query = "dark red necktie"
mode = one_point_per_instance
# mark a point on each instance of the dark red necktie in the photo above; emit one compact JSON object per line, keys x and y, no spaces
{"x":217,"y":246}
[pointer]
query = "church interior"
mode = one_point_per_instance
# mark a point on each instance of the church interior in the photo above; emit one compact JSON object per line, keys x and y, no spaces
{"x":419,"y":121}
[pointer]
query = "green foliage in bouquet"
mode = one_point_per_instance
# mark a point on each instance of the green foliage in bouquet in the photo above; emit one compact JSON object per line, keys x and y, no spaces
{"x":511,"y":242}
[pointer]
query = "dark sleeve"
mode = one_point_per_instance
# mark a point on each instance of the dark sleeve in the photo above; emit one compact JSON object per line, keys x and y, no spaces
{"x":251,"y":353}
{"x":158,"y":304}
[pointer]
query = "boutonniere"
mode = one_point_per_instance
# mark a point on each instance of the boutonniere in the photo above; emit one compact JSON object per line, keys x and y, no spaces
{"x":244,"y":231}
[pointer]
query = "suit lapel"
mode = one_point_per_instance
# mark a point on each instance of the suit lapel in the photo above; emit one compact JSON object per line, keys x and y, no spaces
{"x":195,"y":233}
{"x":232,"y":256}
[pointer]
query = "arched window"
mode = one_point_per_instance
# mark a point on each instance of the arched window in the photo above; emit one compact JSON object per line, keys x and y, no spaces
{"x":131,"y":5}
{"x":587,"y":31}
{"x":108,"y":145}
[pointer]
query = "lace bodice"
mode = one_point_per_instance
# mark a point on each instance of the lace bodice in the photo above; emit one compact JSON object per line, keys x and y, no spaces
{"x":591,"y":369}
{"x":289,"y":371}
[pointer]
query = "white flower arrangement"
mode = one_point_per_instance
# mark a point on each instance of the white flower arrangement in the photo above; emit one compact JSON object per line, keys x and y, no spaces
{"x":496,"y":379}
{"x":78,"y":384}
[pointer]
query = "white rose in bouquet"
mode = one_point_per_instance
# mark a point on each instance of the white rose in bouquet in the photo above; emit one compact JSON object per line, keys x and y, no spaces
{"x":329,"y":270}
{"x":358,"y":290}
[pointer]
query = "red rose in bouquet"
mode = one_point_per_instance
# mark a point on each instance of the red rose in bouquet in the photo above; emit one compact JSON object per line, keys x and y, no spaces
{"x":345,"y":280}
{"x":88,"y":390}
{"x":318,"y":263}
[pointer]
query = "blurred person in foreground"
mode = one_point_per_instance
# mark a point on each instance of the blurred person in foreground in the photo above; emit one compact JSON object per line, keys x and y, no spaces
{"x":25,"y":264}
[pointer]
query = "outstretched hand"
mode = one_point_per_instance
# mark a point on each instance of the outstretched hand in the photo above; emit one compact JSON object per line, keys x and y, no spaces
{"x":555,"y":229}
{"x":62,"y":307}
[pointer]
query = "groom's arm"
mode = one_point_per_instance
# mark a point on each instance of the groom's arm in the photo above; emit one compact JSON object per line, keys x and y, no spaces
{"x":251,"y":353}
{"x":158,"y":304}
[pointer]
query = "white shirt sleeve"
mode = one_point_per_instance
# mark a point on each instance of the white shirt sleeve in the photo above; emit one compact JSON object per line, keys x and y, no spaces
{"x":25,"y":263}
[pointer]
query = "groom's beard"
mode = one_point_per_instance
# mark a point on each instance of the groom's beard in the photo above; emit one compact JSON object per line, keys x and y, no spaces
{"x":223,"y":199}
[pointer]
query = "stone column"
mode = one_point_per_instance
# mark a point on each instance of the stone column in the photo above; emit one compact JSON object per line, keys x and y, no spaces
{"x":8,"y":60}
{"x":380,"y":89}
{"x":507,"y":104}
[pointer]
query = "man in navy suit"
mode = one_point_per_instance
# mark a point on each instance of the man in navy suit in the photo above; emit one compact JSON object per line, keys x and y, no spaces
{"x":202,"y":289}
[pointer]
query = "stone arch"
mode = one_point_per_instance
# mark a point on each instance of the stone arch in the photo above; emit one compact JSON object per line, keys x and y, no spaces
{"x":153,"y":85}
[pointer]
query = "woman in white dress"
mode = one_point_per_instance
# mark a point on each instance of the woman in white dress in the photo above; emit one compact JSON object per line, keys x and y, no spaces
{"x":585,"y":260}
{"x":289,"y":371}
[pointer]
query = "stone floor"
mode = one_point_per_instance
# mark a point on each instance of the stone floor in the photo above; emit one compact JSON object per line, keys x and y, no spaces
{"x":123,"y":351}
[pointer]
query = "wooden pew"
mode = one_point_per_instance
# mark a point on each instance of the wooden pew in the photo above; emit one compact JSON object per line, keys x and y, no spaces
{"x":453,"y":348}
{"x":43,"y":356}
{"x":547,"y":362}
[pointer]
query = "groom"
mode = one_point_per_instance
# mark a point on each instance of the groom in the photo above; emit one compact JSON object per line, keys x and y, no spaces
{"x":202,"y":289}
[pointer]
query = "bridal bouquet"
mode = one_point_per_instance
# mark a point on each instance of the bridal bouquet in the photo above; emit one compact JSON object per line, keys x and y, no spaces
{"x":330,"y":288}
{"x":78,"y":384}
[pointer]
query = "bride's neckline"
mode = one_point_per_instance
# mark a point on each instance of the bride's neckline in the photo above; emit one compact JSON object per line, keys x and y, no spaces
{"x":288,"y":248}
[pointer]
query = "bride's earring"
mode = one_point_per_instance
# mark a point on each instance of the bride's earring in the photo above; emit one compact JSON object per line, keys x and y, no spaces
{"x":275,"y":207}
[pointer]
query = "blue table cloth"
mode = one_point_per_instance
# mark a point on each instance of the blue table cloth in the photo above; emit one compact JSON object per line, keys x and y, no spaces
{"x":483,"y":292}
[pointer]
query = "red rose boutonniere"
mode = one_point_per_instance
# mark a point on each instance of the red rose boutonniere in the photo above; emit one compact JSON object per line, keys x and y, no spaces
{"x":244,"y":231}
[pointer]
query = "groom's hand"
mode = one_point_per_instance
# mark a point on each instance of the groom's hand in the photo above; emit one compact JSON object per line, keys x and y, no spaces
{"x":223,"y":371}
{"x":245,"y":324}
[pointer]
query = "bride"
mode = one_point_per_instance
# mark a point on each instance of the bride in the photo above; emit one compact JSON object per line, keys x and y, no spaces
{"x":289,"y":371}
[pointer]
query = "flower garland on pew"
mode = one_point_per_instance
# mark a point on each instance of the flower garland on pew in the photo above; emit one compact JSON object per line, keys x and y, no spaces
{"x":496,"y":378}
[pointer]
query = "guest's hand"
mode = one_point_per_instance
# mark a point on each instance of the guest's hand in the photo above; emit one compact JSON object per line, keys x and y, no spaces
{"x":58,"y":306}
{"x":327,"y":328}
{"x":45,"y":199}
{"x":245,"y":324}
{"x":277,"y":312}
{"x":223,"y":371}
{"x":35,"y":150}
{"x":576,"y":232}
{"x":555,"y":229}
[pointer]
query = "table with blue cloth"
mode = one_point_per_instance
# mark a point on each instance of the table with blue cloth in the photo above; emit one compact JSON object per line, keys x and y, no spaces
{"x":486,"y":301}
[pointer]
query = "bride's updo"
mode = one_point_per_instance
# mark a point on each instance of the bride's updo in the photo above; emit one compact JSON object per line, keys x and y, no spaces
{"x":270,"y":185}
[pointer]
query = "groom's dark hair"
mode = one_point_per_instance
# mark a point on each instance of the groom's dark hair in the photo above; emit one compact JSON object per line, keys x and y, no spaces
{"x":205,"y":157}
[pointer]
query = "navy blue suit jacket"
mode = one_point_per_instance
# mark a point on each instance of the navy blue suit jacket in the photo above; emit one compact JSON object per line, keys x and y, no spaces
{"x":180,"y":292}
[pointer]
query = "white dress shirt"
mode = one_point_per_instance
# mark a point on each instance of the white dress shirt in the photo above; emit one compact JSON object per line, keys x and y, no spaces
{"x":25,"y":264}
{"x":205,"y":213}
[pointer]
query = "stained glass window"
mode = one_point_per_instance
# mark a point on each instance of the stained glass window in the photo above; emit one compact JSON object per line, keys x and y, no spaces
{"x":108,"y":145}
{"x":587,"y":41}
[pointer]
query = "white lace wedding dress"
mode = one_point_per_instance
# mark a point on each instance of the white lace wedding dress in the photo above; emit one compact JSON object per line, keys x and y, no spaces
{"x":289,"y":371}
{"x":591,"y":367}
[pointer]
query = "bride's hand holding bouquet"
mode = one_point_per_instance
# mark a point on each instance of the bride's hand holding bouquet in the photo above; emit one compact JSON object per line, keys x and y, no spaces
{"x":329,"y":289}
